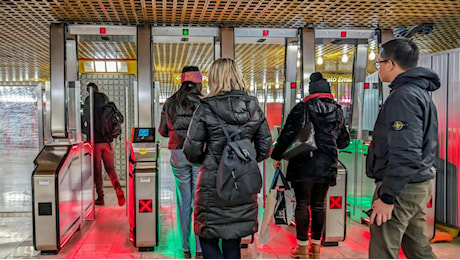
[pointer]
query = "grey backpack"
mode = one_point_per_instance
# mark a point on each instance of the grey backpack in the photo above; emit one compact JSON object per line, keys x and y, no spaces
{"x":238,"y":175}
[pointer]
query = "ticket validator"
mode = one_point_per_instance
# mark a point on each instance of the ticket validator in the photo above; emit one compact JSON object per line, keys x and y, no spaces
{"x":143,"y":192}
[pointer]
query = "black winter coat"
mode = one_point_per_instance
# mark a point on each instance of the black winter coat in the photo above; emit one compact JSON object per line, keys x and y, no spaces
{"x":216,"y":218}
{"x":330,"y":134}
{"x":176,"y":131}
{"x":405,"y":139}
{"x":99,"y":99}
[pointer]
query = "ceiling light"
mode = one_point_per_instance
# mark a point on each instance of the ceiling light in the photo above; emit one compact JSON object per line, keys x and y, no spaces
{"x":344,"y":58}
{"x":319,"y":61}
{"x":372,"y":55}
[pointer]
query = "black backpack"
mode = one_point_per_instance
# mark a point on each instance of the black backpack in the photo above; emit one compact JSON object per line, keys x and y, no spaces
{"x":238,"y":175}
{"x":111,"y":120}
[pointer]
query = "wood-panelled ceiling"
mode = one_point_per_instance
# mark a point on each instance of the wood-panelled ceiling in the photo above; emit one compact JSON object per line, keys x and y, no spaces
{"x":24,"y":24}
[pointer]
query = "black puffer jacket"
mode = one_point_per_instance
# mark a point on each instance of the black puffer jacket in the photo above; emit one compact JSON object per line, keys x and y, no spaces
{"x":176,"y":131}
{"x":99,"y":99}
{"x":216,"y":218}
{"x":405,"y":139}
{"x":330,"y":134}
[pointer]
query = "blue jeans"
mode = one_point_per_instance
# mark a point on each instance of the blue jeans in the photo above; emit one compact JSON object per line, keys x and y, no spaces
{"x":186,"y":176}
{"x":230,"y":248}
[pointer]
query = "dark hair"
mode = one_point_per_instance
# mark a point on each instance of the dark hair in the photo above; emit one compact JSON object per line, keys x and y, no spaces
{"x":402,"y":51}
{"x":190,"y":68}
{"x":180,"y":98}
{"x":93,"y":85}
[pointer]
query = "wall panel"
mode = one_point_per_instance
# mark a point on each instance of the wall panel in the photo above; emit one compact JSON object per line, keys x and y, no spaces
{"x":453,"y":148}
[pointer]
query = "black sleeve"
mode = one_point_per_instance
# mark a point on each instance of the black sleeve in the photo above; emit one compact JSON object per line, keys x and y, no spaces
{"x":343,"y":139}
{"x":262,"y":138}
{"x":194,"y":143}
{"x":163,"y":127}
{"x":290,"y":130}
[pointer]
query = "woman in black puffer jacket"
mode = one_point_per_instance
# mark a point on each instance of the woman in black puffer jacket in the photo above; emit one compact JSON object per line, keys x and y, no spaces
{"x":312,"y":174}
{"x":217,"y":219}
{"x":175,"y":119}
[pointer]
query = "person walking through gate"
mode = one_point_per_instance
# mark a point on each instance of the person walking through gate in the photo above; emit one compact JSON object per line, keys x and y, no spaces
{"x":103,"y":148}
{"x":311,"y":173}
{"x":175,"y":119}
{"x":217,"y":219}
{"x":402,"y":154}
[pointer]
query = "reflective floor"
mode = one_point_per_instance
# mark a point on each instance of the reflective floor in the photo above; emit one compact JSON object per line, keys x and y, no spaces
{"x":107,"y":235}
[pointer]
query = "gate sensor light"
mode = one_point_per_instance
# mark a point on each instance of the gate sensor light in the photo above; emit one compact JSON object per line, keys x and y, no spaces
{"x":185,"y":31}
{"x":335,"y":202}
{"x":102,"y":30}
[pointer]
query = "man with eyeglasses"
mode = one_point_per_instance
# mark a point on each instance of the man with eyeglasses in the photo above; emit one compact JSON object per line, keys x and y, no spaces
{"x":402,"y":154}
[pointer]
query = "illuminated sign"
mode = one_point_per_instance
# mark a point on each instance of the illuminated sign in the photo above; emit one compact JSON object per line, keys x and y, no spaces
{"x":430,"y":203}
{"x":145,"y":206}
{"x":335,"y":202}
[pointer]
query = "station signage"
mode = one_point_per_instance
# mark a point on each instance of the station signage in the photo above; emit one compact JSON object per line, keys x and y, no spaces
{"x":337,"y":78}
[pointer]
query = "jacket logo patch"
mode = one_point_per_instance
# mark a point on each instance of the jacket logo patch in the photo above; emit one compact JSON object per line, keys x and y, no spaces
{"x":398,"y":125}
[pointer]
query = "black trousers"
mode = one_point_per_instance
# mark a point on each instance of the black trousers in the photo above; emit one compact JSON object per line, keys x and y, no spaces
{"x":230,"y":248}
{"x":313,"y":195}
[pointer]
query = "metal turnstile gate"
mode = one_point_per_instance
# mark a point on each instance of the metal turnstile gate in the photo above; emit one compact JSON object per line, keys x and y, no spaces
{"x":336,"y":210}
{"x":143,"y":210}
{"x":59,"y":195}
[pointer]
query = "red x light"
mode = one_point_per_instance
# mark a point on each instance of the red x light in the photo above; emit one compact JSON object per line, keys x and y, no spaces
{"x":335,"y":202}
{"x":102,"y":30}
{"x":145,"y":206}
{"x":430,"y":203}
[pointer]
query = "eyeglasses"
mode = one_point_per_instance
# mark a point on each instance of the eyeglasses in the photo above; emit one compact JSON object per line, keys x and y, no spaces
{"x":377,"y":63}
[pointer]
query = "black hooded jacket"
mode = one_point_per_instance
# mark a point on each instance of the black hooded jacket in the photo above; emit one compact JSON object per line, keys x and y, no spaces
{"x":405,"y":139}
{"x":216,"y":218}
{"x":330,"y":134}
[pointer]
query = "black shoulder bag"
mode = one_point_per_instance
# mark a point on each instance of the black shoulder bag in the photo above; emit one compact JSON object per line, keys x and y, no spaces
{"x":305,"y":139}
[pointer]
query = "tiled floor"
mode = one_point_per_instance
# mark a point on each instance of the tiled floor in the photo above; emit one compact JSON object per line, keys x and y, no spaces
{"x":107,"y":235}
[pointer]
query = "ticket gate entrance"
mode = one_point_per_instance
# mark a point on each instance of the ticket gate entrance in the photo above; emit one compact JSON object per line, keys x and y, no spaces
{"x":336,"y":210}
{"x":61,"y":194}
{"x":143,"y":203}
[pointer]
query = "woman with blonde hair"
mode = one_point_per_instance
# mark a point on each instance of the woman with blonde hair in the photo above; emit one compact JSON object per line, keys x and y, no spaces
{"x":217,"y":219}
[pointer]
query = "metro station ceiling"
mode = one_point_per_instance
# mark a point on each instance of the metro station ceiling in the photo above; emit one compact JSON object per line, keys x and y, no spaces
{"x":24,"y":24}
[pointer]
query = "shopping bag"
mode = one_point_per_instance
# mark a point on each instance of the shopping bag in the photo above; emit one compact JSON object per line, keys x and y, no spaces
{"x":285,"y":207}
{"x":280,"y":215}
{"x":268,"y":227}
